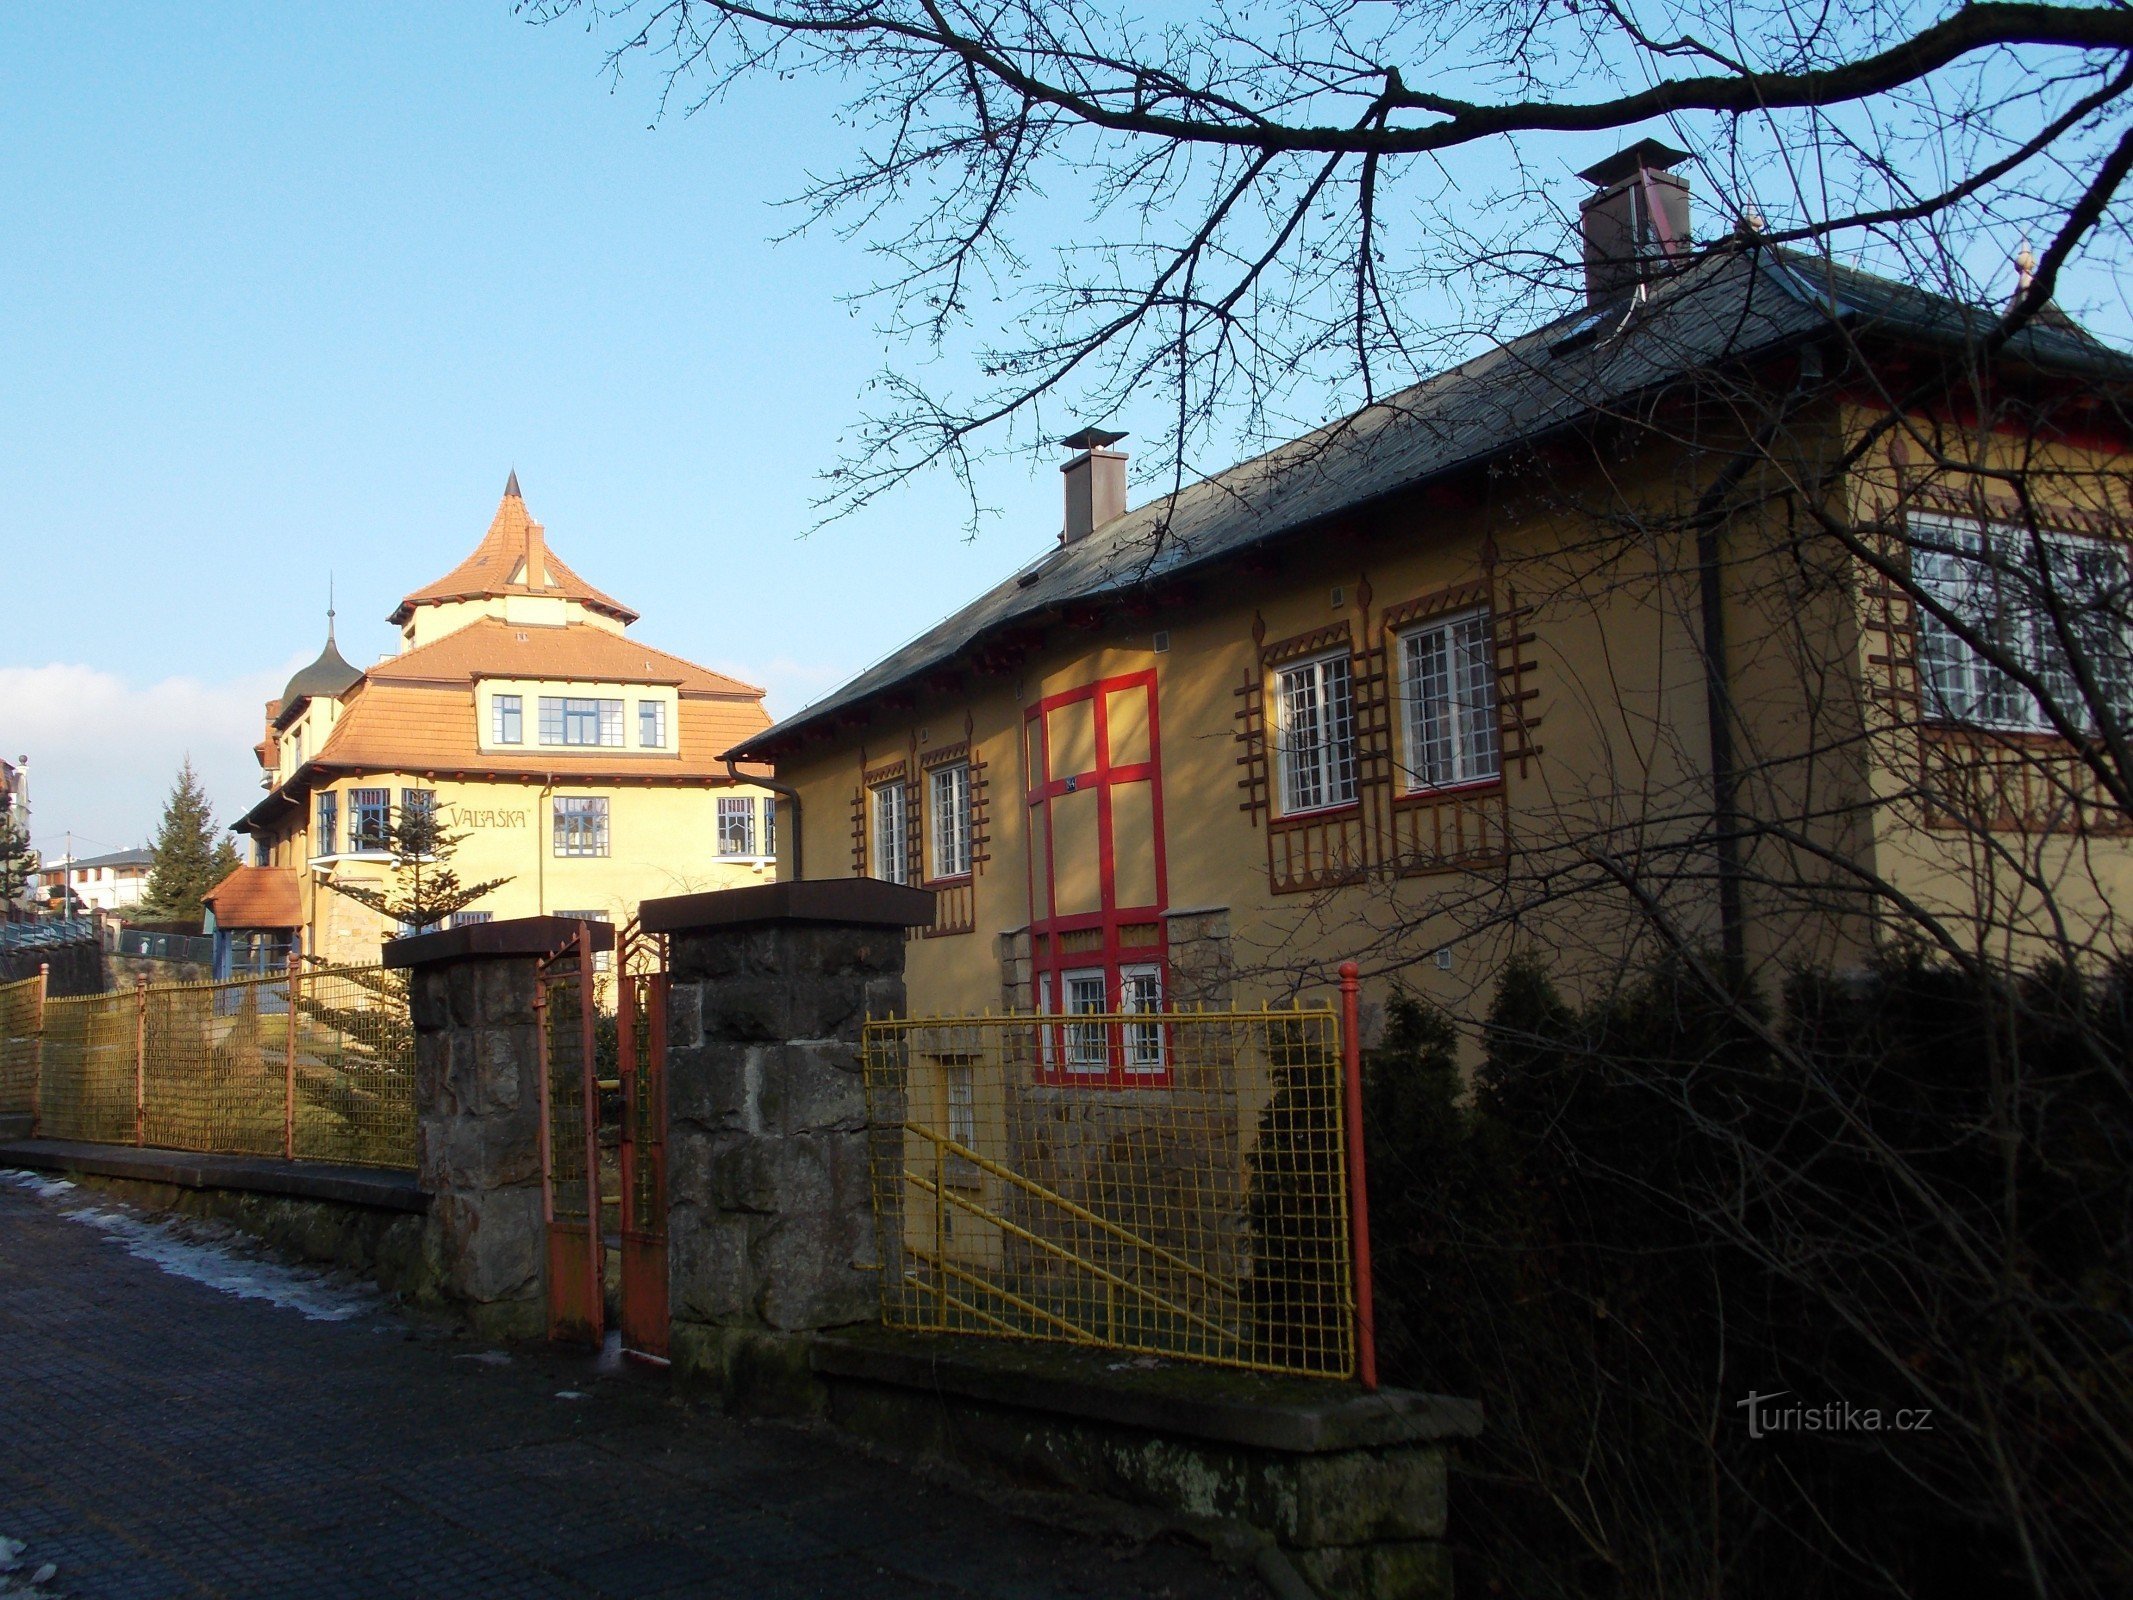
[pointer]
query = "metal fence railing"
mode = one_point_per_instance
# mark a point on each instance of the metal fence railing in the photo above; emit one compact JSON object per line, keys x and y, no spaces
{"x":235,"y":1068}
{"x":21,"y":1025}
{"x":1169,"y":1183}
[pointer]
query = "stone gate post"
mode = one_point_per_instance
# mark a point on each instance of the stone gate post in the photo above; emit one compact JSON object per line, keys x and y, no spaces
{"x":769,"y":1219}
{"x":477,"y":1112}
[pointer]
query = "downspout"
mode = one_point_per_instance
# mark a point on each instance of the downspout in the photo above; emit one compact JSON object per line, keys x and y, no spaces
{"x":1709,"y":518}
{"x":733,"y":771}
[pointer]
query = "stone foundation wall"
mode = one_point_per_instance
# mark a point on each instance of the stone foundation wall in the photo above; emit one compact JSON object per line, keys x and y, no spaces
{"x":770,"y":1228}
{"x":477,"y":1099}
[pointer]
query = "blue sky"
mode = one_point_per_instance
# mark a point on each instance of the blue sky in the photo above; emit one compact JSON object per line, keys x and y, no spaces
{"x":288,"y":289}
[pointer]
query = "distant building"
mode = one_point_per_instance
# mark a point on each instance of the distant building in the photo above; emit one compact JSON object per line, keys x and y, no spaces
{"x":579,"y":764}
{"x":111,"y":882}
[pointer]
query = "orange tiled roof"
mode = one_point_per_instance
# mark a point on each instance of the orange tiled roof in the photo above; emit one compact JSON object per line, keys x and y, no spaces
{"x":512,"y":558}
{"x":257,"y":897}
{"x":492,"y":648}
{"x":413,"y":727}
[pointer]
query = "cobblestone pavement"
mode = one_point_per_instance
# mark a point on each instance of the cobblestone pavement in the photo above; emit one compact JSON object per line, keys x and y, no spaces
{"x":161,"y":1437}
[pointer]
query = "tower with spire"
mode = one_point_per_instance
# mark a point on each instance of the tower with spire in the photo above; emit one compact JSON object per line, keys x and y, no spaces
{"x":583,"y":767}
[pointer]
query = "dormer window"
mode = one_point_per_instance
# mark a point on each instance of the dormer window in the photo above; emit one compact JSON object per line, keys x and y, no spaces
{"x":507,"y":716}
{"x":652,"y":724}
{"x":567,"y":720}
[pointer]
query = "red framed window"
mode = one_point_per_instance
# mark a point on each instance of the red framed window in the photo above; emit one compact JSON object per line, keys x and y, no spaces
{"x":1098,"y":882}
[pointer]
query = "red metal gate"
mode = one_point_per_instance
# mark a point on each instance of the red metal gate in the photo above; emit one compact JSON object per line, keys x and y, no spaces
{"x":641,"y":1037}
{"x":566,"y":1012}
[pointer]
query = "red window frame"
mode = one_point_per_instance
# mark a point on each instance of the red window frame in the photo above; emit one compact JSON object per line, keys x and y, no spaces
{"x":1112,"y":955}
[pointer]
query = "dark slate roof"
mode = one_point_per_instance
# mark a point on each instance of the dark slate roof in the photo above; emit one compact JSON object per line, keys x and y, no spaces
{"x":330,"y":675}
{"x":1731,"y":305}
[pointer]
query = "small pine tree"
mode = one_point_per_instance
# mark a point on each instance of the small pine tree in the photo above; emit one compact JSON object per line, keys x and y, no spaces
{"x":17,"y":859}
{"x":425,"y":890}
{"x":187,"y":862}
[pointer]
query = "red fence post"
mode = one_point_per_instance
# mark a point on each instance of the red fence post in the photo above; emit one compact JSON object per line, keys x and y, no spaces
{"x":1366,"y":1324}
{"x":589,"y":1078}
{"x":140,"y":1061}
{"x":288,"y":1069}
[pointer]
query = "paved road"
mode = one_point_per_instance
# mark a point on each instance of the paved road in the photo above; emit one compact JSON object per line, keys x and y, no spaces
{"x":162,"y":1437}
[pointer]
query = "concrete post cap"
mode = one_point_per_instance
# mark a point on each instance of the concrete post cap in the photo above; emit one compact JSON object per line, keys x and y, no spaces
{"x":862,"y":902}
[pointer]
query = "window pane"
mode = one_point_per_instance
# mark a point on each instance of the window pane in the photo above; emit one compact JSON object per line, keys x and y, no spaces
{"x":1141,"y":989}
{"x":736,"y":826}
{"x":891,"y":838}
{"x":1448,"y":686}
{"x":368,"y":822}
{"x":580,"y":826}
{"x":551,"y":709}
{"x":770,"y":825}
{"x":507,"y":720}
{"x":652,"y":724}
{"x":1085,"y":1040}
{"x":1315,"y":708}
{"x":950,"y":815}
{"x":328,"y":840}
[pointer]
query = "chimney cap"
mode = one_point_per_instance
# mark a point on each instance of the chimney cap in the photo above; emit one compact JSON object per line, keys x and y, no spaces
{"x":1645,"y":153}
{"x":1091,"y":439}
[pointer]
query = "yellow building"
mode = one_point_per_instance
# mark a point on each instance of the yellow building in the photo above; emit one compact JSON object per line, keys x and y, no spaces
{"x":579,"y":764}
{"x":1551,"y":650}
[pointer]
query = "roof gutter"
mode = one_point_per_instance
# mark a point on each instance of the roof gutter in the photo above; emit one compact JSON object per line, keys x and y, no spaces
{"x":733,"y":771}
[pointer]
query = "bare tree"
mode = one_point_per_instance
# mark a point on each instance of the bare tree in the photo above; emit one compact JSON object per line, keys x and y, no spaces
{"x":1241,"y":220}
{"x":1902,"y":580}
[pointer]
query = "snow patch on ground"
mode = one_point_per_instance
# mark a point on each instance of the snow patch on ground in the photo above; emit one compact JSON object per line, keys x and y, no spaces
{"x":36,"y":1182}
{"x":180,"y":1249}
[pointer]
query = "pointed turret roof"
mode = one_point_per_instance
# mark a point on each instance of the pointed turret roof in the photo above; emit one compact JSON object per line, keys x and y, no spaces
{"x":512,"y":558}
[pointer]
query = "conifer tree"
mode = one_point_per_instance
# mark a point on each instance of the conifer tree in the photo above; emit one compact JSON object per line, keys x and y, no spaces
{"x":187,"y":861}
{"x":17,"y":859}
{"x":425,"y":890}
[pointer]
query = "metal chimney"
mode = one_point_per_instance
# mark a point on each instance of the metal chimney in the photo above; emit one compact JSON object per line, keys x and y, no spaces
{"x":1095,"y":482}
{"x":1636,"y":225}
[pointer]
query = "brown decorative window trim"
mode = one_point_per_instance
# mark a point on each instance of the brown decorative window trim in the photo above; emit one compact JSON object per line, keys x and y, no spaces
{"x":1290,"y":820}
{"x":1450,"y":793}
{"x":1940,"y":499}
{"x":1456,"y":597}
{"x":1319,"y":641}
{"x":947,"y":755}
{"x":887,"y":772}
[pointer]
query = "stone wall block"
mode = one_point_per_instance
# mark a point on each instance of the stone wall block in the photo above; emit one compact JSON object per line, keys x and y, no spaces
{"x":505,"y":990}
{"x":812,"y":1085}
{"x":1355,"y":1497}
{"x":850,"y":1174}
{"x":772,"y":1177}
{"x":708,"y":1274}
{"x":462,"y":988}
{"x":1421,"y":1570}
{"x":749,"y":1008}
{"x":719,"y":1085}
{"x":885,"y":997}
{"x":428,"y":999}
{"x":685,"y":1016}
{"x":503,"y":1074}
{"x":433,"y":1065}
{"x":805,"y":1274}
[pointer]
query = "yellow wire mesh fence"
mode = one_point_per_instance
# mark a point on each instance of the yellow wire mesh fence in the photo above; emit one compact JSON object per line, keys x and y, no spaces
{"x":1168,"y":1183}
{"x":232,"y":1068}
{"x":21,"y":1024}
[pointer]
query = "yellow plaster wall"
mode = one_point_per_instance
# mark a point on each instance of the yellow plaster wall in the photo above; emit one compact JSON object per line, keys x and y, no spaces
{"x":661,"y":841}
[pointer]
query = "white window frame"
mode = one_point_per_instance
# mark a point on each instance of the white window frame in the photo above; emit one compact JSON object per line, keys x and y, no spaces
{"x":1448,"y":706}
{"x":1140,"y":989}
{"x":1967,"y":575}
{"x":948,"y":819}
{"x":1087,"y":1048}
{"x":889,"y":830}
{"x":588,"y":807}
{"x":741,"y":809}
{"x":1314,"y":732}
